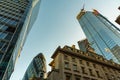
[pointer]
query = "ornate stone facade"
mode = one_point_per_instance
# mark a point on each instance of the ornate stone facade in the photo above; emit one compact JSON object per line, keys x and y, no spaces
{"x":70,"y":63}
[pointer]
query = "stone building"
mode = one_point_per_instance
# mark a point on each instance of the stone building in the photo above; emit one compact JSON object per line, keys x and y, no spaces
{"x":70,"y":63}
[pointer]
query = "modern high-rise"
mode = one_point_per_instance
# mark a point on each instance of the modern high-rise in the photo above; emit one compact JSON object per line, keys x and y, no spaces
{"x":36,"y":69}
{"x":70,"y":63}
{"x":84,"y":45}
{"x":102,"y":35}
{"x":16,"y":20}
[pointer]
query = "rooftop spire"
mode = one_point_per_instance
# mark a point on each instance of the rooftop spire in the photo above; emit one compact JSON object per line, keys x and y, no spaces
{"x":83,"y":6}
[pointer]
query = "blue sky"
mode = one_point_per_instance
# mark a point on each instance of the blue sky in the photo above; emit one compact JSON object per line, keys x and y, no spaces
{"x":57,"y":25}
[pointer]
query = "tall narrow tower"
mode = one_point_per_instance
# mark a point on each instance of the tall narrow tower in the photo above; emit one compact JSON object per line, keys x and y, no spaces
{"x":102,"y":35}
{"x":16,"y":20}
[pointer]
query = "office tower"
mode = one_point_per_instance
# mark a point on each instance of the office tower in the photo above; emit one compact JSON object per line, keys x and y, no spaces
{"x":84,"y":45}
{"x":36,"y":69}
{"x":70,"y":63}
{"x":16,"y":20}
{"x":102,"y":35}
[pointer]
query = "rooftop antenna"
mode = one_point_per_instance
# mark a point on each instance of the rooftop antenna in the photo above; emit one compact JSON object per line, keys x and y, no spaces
{"x":83,"y":6}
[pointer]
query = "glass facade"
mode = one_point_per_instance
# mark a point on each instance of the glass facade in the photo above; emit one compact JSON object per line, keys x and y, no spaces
{"x":84,"y":45}
{"x":16,"y":20}
{"x":102,"y":35}
{"x":37,"y":68}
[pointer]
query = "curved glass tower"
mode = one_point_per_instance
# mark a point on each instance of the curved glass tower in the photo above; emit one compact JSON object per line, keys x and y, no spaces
{"x":102,"y":35}
{"x":16,"y":20}
{"x":37,"y":68}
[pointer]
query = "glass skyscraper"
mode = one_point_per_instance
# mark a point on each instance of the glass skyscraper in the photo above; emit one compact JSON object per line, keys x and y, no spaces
{"x":16,"y":20}
{"x":102,"y":35}
{"x":37,"y":68}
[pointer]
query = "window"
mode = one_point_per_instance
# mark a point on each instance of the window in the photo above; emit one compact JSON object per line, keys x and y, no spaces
{"x":94,"y":65}
{"x":91,"y":73}
{"x":87,"y":63}
{"x":74,"y":67}
{"x":118,"y":78}
{"x":80,"y":61}
{"x":66,"y":65}
{"x":3,"y":27}
{"x":104,"y":68}
{"x":3,"y":35}
{"x":66,"y":57}
{"x":73,"y":59}
{"x":98,"y":74}
{"x":77,"y":78}
{"x":4,"y":47}
{"x":86,"y":78}
{"x":1,"y":44}
{"x":112,"y":77}
{"x":10,"y":29}
{"x":83,"y":70}
{"x":106,"y":75}
{"x":93,"y":79}
{"x":68,"y":77}
{"x":8,"y":37}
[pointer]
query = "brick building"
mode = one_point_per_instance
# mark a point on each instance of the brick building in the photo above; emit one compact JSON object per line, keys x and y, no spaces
{"x":70,"y":63}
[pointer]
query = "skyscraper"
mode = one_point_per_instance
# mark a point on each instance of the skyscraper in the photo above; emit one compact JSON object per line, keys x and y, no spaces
{"x":37,"y":68}
{"x":84,"y":45}
{"x":16,"y":20}
{"x":102,"y":35}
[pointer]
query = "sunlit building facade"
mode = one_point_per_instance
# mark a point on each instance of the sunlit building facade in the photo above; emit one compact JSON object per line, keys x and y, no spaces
{"x":16,"y":20}
{"x":37,"y":68}
{"x":102,"y":35}
{"x":70,"y":63}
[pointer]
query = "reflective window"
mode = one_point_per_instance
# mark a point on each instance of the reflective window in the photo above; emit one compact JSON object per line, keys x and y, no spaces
{"x":3,"y":35}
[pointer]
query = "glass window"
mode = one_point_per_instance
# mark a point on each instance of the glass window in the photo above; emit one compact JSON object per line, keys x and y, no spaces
{"x":3,"y":35}
{"x":4,"y":47}
{"x":91,"y":73}
{"x":88,"y":64}
{"x":94,"y":65}
{"x":98,"y":73}
{"x":3,"y":27}
{"x":68,"y":77}
{"x":86,"y":78}
{"x":73,"y":59}
{"x":77,"y":78}
{"x":66,"y":65}
{"x":74,"y":67}
{"x":1,"y":44}
{"x":84,"y":71}
{"x":8,"y":37}
{"x":66,"y":57}
{"x":80,"y":61}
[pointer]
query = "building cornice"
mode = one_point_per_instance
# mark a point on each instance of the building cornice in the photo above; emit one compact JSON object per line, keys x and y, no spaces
{"x":90,"y":57}
{"x":97,"y":58}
